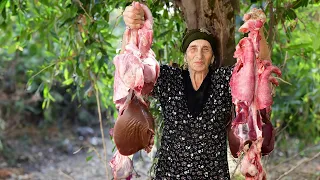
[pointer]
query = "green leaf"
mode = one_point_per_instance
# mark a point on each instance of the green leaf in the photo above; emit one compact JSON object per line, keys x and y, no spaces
{"x":163,"y":33}
{"x":11,"y":49}
{"x":165,"y":14}
{"x":3,"y":4}
{"x":89,"y":158}
{"x":45,"y":103}
{"x":49,"y":54}
{"x":106,"y":16}
{"x":45,"y":2}
{"x":90,"y":150}
{"x":71,"y":19}
{"x":79,"y":72}
{"x":178,"y":27}
{"x":316,"y":45}
{"x":108,"y":44}
{"x":55,"y":36}
{"x":51,"y":97}
{"x":290,"y":14}
{"x":297,"y":4}
{"x":14,"y":10}
{"x":4,"y":13}
{"x":66,"y":73}
{"x":68,"y":81}
{"x":297,"y":46}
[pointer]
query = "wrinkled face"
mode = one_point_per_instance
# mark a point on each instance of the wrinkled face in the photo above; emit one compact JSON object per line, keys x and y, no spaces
{"x":199,"y":55}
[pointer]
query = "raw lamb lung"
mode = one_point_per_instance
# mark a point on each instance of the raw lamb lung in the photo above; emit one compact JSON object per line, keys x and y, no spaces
{"x":134,"y":129}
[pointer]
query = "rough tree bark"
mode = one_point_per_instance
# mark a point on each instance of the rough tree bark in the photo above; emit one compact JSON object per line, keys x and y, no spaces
{"x":218,"y":16}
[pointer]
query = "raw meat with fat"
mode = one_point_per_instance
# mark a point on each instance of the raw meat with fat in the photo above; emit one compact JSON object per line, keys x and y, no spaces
{"x":136,"y":71}
{"x":137,"y":66}
{"x":251,"y":89}
{"x":122,"y":166}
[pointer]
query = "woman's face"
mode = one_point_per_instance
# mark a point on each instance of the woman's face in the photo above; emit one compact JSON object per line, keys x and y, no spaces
{"x":199,"y":55}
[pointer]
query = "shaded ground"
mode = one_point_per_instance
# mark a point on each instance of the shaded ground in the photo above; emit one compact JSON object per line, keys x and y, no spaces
{"x":52,"y":157}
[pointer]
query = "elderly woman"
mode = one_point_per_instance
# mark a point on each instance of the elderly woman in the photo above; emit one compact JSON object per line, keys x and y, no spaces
{"x":196,"y":104}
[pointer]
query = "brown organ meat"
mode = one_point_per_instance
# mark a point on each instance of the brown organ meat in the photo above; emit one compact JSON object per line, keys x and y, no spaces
{"x":268,"y":134}
{"x":134,"y":129}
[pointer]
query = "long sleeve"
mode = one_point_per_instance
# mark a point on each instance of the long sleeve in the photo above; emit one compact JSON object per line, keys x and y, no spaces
{"x":163,"y":80}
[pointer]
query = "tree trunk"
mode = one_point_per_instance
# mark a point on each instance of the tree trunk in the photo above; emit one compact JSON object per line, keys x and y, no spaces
{"x":217,"y":16}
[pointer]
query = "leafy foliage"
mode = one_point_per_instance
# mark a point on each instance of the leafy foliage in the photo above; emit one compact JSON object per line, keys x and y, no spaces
{"x":72,"y":43}
{"x":64,"y":50}
{"x":297,"y":105}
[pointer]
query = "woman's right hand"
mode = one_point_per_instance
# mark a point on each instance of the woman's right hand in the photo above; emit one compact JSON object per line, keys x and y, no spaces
{"x":134,"y":16}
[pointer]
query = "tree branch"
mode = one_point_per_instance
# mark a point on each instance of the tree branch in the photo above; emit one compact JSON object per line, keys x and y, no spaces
{"x":301,"y":162}
{"x":271,"y":25}
{"x":101,"y":129}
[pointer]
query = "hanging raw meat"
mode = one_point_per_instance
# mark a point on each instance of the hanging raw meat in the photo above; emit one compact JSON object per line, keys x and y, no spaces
{"x":137,"y":68}
{"x":251,"y":89}
{"x":122,"y":166}
{"x":135,"y":75}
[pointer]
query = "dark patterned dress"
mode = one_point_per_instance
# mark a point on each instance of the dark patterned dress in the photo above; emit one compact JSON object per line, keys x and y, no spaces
{"x":193,"y":145}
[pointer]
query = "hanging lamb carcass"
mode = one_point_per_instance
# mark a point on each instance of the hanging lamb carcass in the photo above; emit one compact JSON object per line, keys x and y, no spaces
{"x":251,"y":89}
{"x":136,"y":73}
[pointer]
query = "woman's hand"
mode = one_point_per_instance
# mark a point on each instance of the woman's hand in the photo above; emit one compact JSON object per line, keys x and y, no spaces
{"x":133,"y":16}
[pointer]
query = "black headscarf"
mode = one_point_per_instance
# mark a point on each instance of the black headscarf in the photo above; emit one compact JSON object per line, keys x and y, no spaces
{"x":194,"y":34}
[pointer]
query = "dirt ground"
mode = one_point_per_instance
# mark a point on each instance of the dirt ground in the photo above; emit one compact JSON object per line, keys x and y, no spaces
{"x":57,"y":157}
